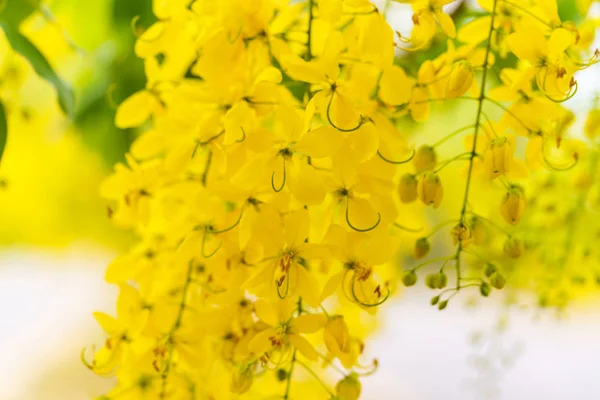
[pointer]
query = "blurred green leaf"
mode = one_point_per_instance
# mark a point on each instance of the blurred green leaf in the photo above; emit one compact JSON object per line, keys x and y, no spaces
{"x":42,"y":67}
{"x":15,"y":11}
{"x":3,"y":130}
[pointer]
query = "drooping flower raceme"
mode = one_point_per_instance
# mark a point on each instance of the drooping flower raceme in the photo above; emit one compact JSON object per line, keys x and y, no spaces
{"x":269,"y":191}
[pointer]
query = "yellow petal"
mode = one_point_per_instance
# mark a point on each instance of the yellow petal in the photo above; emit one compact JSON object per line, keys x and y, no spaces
{"x":261,"y":343}
{"x":266,"y":312}
{"x":304,"y":347}
{"x":320,"y":142}
{"x":395,"y":87}
{"x":309,"y":323}
{"x":446,"y":23}
{"x":332,"y":284}
{"x":307,"y":287}
{"x":136,"y":109}
{"x":109,"y":324}
{"x":475,"y":31}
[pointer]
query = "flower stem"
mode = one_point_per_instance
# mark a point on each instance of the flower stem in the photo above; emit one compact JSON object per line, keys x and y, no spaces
{"x":480,"y":99}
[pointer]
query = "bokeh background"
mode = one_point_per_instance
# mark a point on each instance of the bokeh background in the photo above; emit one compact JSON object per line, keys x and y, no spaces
{"x":56,"y":241}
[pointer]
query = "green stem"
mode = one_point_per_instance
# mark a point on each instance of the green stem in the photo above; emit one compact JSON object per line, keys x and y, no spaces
{"x":463,"y":211}
{"x":174,"y":329}
{"x":306,"y":367}
{"x":451,"y":135}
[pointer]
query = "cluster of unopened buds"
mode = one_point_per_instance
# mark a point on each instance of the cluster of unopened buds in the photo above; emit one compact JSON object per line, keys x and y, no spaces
{"x":269,"y":188}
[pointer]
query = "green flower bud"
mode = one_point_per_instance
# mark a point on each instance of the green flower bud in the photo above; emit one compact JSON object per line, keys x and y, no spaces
{"x":442,"y":304}
{"x":282,"y":374}
{"x":437,"y":280}
{"x":422,"y":248}
{"x":489,"y":269}
{"x":409,"y":278}
{"x":485,"y":289}
{"x":348,"y":388}
{"x":435,"y":300}
{"x":431,"y":280}
{"x":497,"y":280}
{"x":443,"y":280}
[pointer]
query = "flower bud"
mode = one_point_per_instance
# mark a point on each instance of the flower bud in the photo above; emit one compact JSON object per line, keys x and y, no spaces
{"x":435,"y":300}
{"x":241,"y":381}
{"x":437,"y":280}
{"x":339,"y":342}
{"x":422,"y":248}
{"x":282,"y":375}
{"x":513,"y":205}
{"x":442,"y":304}
{"x":489,"y":269}
{"x":497,"y":159}
{"x":485,"y":289}
{"x":432,"y":281}
{"x":513,"y":247}
{"x":425,"y":159}
{"x":408,"y":188}
{"x":497,"y":280}
{"x":348,"y":388}
{"x":460,"y":80}
{"x":430,"y":190}
{"x":409,"y":278}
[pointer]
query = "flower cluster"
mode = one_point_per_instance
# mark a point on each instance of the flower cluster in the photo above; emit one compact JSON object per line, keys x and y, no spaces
{"x":269,"y":188}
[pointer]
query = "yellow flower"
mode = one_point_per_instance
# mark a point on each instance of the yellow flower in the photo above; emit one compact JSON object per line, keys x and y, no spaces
{"x":284,"y":329}
{"x":283,"y":275}
{"x":430,"y":189}
{"x":546,"y":57}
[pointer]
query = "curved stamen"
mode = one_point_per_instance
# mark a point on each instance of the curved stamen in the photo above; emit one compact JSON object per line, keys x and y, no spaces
{"x":404,"y":228}
{"x":282,"y":183}
{"x":206,"y":231}
{"x":396,"y":162}
{"x":360,"y":123}
{"x":555,"y":167}
{"x":350,"y":223}
{"x":367,"y":304}
{"x":243,"y":135}
{"x":211,"y":229}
